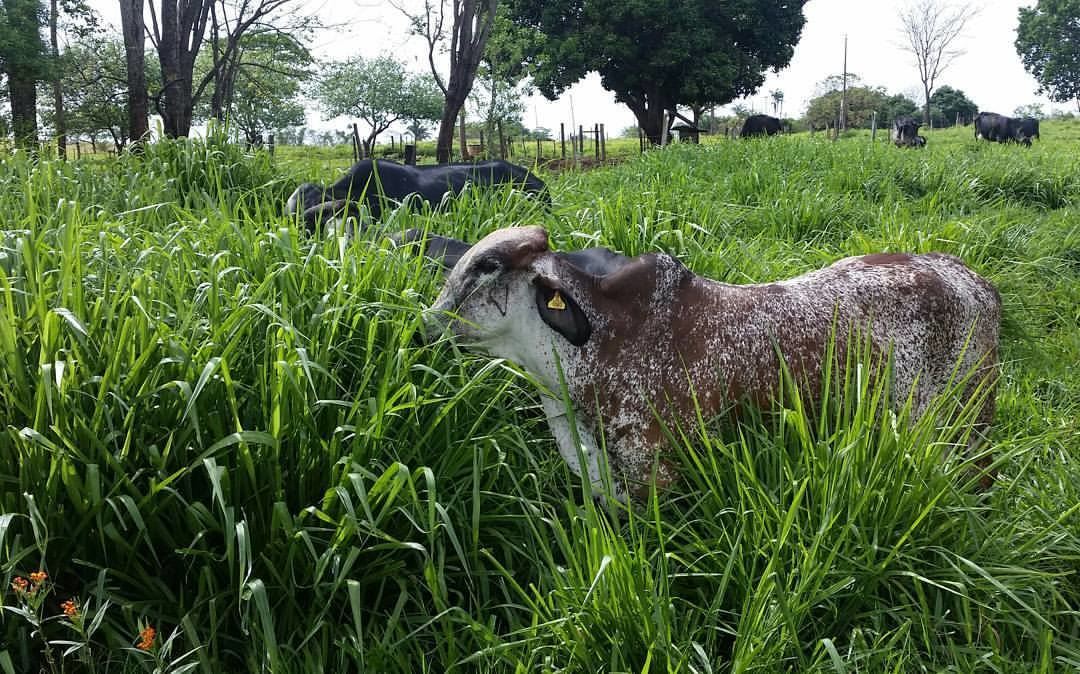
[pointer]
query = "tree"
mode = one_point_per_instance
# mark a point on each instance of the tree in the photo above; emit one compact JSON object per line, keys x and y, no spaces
{"x":656,"y":56}
{"x":95,"y":86}
{"x":138,"y":107}
{"x":378,"y":91}
{"x":896,"y":106}
{"x":23,"y":60}
{"x":862,"y":103}
{"x":470,"y":26}
{"x":1030,"y":110}
{"x":1048,"y":42}
{"x":265,"y":85}
{"x":930,"y":29}
{"x":86,"y":23}
{"x":178,"y":31}
{"x":948,"y":104}
{"x":777,"y":97}
{"x":497,"y":90}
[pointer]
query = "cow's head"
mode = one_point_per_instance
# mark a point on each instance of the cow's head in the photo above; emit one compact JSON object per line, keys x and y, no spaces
{"x":305,"y":197}
{"x":512,"y":297}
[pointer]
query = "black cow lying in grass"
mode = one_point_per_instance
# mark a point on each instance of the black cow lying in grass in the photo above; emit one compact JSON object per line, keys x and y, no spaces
{"x":905,"y":132}
{"x":378,"y":182}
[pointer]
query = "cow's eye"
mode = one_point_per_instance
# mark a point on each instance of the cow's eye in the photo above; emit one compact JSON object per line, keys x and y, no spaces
{"x":486,"y":265}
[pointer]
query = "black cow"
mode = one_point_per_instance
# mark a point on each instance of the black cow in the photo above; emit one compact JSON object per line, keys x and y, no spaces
{"x":1002,"y":129}
{"x":1029,"y":128}
{"x":374,"y":182}
{"x":760,"y":125}
{"x":448,"y":251}
{"x":905,"y":132}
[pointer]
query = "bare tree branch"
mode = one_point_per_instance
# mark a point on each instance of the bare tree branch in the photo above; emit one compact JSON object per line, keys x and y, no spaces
{"x":930,"y":29}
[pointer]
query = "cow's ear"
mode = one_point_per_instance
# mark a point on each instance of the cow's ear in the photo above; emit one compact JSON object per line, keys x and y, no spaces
{"x":561,"y":312}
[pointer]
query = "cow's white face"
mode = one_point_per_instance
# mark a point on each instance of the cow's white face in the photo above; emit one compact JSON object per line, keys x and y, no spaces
{"x":505,"y":297}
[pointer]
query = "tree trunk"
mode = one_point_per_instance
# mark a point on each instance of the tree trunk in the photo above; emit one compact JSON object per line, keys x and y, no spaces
{"x":178,"y":44}
{"x":22,"y":93}
{"x":131,"y":17}
{"x":57,"y":88}
{"x":464,"y":136}
{"x":926,"y":115}
{"x":22,"y":55}
{"x":444,"y":145}
{"x":650,"y":117}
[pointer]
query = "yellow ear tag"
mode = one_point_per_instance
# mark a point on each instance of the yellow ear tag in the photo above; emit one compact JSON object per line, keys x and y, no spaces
{"x":556,"y":302}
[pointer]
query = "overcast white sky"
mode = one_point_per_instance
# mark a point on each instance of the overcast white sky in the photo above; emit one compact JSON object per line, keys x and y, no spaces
{"x":990,"y":72}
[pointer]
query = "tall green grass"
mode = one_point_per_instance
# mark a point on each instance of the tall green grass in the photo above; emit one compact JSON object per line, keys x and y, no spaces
{"x":221,"y":427}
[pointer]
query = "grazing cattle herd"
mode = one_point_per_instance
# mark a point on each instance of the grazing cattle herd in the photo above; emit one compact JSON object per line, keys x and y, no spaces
{"x":627,"y":348}
{"x":1002,"y":129}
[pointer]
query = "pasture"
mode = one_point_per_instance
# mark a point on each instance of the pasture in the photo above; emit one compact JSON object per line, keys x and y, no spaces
{"x":217,"y":426}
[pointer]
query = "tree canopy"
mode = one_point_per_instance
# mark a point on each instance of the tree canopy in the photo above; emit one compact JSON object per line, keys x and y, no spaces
{"x":862,"y":103}
{"x":379,"y":91}
{"x":1048,"y":41}
{"x":947,"y":103}
{"x":656,"y":56}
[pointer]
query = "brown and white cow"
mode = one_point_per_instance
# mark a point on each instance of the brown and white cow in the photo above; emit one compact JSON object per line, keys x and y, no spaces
{"x":638,"y":344}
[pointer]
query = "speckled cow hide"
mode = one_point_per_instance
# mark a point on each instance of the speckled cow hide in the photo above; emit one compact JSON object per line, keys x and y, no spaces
{"x":650,"y":332}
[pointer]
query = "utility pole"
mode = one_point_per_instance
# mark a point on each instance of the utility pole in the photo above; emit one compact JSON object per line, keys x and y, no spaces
{"x":843,"y":93}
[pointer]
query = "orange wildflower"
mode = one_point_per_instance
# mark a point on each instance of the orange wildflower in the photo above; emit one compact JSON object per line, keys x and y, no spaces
{"x":19,"y":584}
{"x":146,"y":638}
{"x":38,"y":577}
{"x":71,"y":609}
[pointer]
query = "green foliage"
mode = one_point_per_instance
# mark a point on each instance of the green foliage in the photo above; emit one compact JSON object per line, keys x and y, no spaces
{"x":222,"y":428}
{"x":1030,"y":110}
{"x":267,"y":88}
{"x":1048,"y":41}
{"x":862,"y":102}
{"x":657,"y":55}
{"x":898,"y":105}
{"x":947,"y":103}
{"x":24,"y":62}
{"x":379,"y":91}
{"x":95,"y":89}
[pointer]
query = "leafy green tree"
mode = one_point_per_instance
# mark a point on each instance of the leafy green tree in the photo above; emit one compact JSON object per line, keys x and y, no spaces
{"x":265,"y":85}
{"x":267,"y":88}
{"x":1048,"y":42}
{"x":947,"y":103}
{"x":1030,"y":110}
{"x":25,"y":63}
{"x":896,"y":106}
{"x":378,"y":91}
{"x":498,"y":91}
{"x":94,"y":82}
{"x":862,"y":103}
{"x":656,"y":56}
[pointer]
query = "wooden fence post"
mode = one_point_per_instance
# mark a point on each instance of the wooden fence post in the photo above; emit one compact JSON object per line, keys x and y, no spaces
{"x":596,"y":142}
{"x":269,"y":144}
{"x":603,"y":144}
{"x":562,"y":138}
{"x":410,"y":153}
